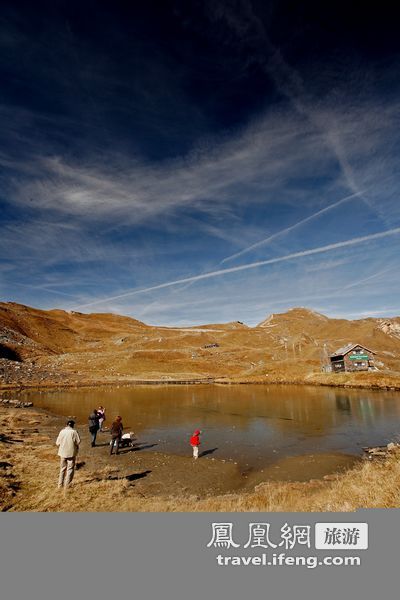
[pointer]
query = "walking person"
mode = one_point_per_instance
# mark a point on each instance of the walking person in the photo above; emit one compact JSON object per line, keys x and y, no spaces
{"x":101,"y":412}
{"x":68,"y":441}
{"x":93,"y":426}
{"x":116,"y":430}
{"x":195,"y":443}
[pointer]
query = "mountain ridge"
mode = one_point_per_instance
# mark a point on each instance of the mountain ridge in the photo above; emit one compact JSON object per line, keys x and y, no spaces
{"x":104,"y":346}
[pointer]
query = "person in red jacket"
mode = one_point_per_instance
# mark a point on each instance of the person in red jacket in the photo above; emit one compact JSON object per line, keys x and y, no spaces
{"x":195,"y":443}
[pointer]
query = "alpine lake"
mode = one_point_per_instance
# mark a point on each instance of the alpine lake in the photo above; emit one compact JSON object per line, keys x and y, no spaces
{"x":286,"y":432}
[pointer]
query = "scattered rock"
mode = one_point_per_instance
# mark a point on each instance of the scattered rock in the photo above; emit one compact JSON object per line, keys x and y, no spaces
{"x":381,"y":451}
{"x":391,"y":446}
{"x":16,"y":403}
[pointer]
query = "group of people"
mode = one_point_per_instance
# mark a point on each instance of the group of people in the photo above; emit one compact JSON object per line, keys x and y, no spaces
{"x":96,"y":420}
{"x":68,"y":442}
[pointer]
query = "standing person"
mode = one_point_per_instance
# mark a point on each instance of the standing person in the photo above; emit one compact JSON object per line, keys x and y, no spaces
{"x":116,"y":430}
{"x":195,"y":443}
{"x":101,"y":411}
{"x":93,"y":426}
{"x":68,"y":441}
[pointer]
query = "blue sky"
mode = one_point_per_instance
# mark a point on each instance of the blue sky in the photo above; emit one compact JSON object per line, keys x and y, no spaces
{"x":197,"y":162}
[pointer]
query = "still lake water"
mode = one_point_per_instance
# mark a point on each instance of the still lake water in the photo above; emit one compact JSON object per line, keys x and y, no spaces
{"x":252,"y":425}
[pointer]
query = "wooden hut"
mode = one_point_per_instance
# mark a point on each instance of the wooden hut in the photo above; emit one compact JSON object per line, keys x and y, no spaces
{"x":352,"y":357}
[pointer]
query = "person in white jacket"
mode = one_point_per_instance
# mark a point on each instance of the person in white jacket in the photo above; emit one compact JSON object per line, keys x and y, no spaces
{"x":68,"y":446}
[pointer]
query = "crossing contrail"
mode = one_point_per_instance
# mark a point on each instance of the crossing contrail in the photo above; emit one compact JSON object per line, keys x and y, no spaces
{"x":365,"y":279}
{"x":287,"y":229}
{"x":253,"y":265}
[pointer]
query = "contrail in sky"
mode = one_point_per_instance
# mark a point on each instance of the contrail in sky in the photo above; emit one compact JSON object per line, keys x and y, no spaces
{"x":365,"y":279}
{"x":254,"y":265}
{"x":45,"y":289}
{"x":287,"y":229}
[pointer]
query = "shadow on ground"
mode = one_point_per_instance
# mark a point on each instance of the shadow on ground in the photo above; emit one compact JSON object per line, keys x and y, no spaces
{"x":6,"y":439}
{"x":207,"y":452}
{"x":116,"y":477}
{"x":137,"y":448}
{"x":136,"y":476}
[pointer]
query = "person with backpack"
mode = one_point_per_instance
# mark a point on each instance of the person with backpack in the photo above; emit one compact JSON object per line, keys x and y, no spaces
{"x":93,"y":426}
{"x":195,"y":443}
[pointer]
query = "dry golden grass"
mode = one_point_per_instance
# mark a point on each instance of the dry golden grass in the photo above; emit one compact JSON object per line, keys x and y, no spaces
{"x":370,"y":485}
{"x":373,"y":485}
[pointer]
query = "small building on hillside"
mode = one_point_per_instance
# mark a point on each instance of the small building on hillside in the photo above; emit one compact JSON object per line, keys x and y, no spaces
{"x":352,"y":357}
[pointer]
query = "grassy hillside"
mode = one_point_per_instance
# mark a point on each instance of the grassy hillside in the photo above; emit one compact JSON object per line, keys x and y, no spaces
{"x":41,"y":347}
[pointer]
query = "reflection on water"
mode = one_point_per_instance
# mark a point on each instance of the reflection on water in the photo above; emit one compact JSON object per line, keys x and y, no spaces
{"x":251,"y":425}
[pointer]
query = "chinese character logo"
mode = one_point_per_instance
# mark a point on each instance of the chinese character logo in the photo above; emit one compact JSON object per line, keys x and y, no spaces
{"x":341,"y":536}
{"x":298,"y":534}
{"x":348,"y":536}
{"x":259,"y":536}
{"x":222,"y":536}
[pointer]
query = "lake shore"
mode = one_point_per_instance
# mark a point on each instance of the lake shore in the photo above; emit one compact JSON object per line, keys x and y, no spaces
{"x":362,"y":380}
{"x":31,"y":432}
{"x":144,"y":480}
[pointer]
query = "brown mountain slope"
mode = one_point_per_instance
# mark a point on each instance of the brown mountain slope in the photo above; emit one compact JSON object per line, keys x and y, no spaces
{"x":58,"y":346}
{"x":308,"y":332}
{"x":60,"y":331}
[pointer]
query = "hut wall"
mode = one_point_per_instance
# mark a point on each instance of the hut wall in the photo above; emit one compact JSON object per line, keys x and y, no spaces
{"x":338,"y":365}
{"x":358,"y":359}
